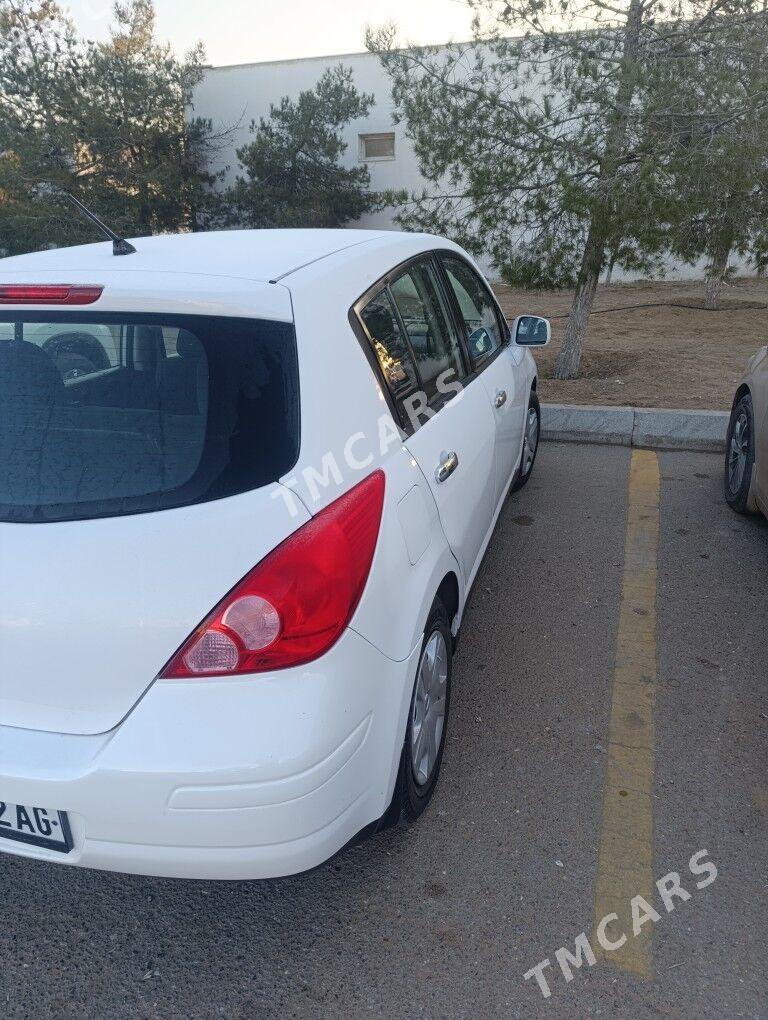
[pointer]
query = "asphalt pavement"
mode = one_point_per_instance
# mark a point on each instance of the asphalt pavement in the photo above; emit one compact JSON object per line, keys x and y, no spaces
{"x":444,"y":919}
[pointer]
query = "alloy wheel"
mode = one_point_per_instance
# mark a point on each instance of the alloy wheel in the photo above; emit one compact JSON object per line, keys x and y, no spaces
{"x":429,"y":703}
{"x":531,"y":440}
{"x":738,"y":452}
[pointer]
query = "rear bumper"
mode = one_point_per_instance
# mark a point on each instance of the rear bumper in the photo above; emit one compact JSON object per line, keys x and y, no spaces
{"x":225,"y":779}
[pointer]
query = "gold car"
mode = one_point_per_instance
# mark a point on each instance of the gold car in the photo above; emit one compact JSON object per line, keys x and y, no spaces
{"x":746,"y":456}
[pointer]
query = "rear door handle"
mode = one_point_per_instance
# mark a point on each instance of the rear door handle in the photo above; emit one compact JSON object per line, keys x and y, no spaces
{"x":501,"y":398}
{"x":448,"y":464}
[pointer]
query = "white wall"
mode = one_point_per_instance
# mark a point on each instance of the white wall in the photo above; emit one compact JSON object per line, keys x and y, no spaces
{"x":240,"y":94}
{"x":230,"y":96}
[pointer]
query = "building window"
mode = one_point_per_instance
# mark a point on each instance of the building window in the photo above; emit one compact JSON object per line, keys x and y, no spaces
{"x":376,"y":147}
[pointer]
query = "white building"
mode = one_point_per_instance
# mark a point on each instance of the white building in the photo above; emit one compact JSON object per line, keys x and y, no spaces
{"x":242,"y":93}
{"x":234,"y":96}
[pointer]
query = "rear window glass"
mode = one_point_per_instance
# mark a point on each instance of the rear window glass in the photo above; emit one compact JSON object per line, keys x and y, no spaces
{"x":119,"y":414}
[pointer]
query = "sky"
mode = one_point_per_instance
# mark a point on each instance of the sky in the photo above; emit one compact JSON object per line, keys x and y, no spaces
{"x":241,"y":31}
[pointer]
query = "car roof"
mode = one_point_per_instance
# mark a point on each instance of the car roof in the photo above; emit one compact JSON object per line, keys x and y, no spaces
{"x":263,"y":255}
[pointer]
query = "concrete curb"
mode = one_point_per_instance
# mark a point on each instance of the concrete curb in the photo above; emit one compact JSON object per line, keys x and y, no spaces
{"x":635,"y":426}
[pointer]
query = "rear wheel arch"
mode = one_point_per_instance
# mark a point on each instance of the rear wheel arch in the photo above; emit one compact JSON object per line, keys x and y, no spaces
{"x":448,"y":594}
{"x":448,"y":597}
{"x":408,"y":800}
{"x":742,"y":391}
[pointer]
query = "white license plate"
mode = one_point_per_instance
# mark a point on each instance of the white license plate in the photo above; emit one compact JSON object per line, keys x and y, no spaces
{"x":35,"y":826}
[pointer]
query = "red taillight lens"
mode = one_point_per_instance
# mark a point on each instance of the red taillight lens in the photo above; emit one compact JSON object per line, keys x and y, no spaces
{"x":295,"y":604}
{"x":48,"y":294}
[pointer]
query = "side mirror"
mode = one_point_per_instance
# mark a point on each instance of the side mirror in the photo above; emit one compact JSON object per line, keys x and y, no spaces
{"x":531,"y":331}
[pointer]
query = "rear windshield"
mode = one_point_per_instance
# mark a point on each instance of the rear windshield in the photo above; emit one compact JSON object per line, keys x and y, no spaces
{"x":118,"y":414}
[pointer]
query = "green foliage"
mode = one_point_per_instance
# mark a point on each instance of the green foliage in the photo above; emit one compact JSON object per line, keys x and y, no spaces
{"x":533,"y":131}
{"x":292,"y":171}
{"x":106,"y":122}
{"x":138,"y":136}
{"x":41,"y":66}
{"x":719,"y":169}
{"x":109,"y":122}
{"x":554,"y":140}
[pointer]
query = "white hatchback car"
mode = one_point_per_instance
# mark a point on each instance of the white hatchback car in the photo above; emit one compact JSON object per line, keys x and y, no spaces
{"x":246,"y":482}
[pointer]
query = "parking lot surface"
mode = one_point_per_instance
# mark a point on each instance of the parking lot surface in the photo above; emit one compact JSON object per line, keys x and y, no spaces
{"x":444,"y":919}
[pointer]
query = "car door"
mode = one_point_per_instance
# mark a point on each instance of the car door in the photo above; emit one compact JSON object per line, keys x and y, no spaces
{"x":493,"y":359}
{"x":446,"y":415}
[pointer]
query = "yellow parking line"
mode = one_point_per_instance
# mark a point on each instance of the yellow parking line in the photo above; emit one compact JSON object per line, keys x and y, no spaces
{"x":625,"y":863}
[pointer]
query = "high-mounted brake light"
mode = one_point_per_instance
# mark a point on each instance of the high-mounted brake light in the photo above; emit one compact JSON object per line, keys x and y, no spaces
{"x":293,"y":606}
{"x":48,"y":294}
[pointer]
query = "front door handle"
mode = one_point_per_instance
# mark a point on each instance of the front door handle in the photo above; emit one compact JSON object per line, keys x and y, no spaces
{"x":501,"y":398}
{"x":448,"y":464}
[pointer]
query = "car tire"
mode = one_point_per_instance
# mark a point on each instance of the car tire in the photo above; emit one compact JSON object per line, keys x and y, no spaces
{"x":740,"y":456}
{"x":425,"y":733}
{"x":530,"y":443}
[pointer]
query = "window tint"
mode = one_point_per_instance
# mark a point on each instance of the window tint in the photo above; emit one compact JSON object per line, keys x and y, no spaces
{"x":76,"y":348}
{"x":389,"y":346}
{"x":429,"y":327}
{"x":175,"y":410}
{"x":484,"y":335}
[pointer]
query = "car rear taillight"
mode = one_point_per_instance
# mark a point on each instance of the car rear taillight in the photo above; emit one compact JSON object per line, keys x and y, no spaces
{"x":296,"y":603}
{"x":48,"y":294}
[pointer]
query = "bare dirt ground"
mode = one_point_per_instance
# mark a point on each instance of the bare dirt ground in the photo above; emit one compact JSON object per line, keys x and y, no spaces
{"x":664,"y":356}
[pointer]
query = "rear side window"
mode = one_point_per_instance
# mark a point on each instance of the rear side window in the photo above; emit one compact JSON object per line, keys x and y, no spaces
{"x":389,"y":346}
{"x":119,"y":414}
{"x":477,"y":308}
{"x":429,"y":326}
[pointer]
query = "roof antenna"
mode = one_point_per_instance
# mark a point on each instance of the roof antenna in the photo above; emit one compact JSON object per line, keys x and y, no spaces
{"x":119,"y":245}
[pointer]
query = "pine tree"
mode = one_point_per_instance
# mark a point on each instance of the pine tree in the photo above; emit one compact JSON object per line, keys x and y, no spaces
{"x":293,"y":175}
{"x":720,"y":166}
{"x":547,"y":142}
{"x":41,"y":69}
{"x":150,"y":156}
{"x":107,"y":122}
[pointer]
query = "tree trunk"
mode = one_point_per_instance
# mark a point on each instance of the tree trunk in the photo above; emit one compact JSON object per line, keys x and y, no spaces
{"x":717,"y":269}
{"x":609,"y":270}
{"x":569,"y":358}
{"x":601,"y":227}
{"x":712,"y":289}
{"x":144,"y":210}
